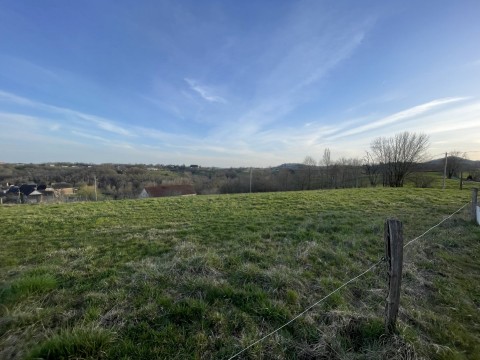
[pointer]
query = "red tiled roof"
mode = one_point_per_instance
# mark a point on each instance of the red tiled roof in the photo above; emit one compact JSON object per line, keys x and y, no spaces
{"x":169,"y":190}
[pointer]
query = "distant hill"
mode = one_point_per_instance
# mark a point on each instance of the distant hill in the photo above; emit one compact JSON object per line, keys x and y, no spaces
{"x":438,"y":164}
{"x":290,"y":166}
{"x":432,"y":165}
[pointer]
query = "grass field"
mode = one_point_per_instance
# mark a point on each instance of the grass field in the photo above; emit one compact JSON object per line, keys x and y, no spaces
{"x":203,"y":277}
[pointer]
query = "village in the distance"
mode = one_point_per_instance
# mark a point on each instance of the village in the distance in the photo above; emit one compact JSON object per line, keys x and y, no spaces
{"x":70,"y":182}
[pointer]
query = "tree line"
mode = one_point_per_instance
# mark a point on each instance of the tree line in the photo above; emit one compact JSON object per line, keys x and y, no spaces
{"x":388,"y":162}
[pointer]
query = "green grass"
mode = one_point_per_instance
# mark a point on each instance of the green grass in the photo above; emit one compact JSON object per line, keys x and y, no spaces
{"x":434,"y":180}
{"x":203,"y":277}
{"x":79,"y":343}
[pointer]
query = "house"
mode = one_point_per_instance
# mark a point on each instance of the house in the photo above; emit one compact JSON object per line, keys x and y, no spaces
{"x":167,"y":190}
{"x":66,"y":191}
{"x":63,"y":188}
{"x":25,"y":193}
{"x":27,"y":189}
{"x":61,"y":185}
{"x":3,"y":195}
{"x":48,"y":193}
{"x":14,"y":194}
{"x":35,"y":197}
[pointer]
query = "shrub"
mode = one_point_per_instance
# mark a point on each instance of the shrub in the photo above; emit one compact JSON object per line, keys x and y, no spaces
{"x":421,"y":180}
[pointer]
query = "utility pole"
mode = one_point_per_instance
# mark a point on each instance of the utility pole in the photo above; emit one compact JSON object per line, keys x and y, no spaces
{"x":445,"y":171}
{"x":95,"y":180}
{"x":251,"y":180}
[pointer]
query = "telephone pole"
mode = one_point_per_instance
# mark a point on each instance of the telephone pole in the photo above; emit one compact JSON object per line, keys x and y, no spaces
{"x":251,"y":180}
{"x":95,"y":180}
{"x":445,"y":171}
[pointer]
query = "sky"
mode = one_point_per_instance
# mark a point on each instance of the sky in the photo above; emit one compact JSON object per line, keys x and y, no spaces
{"x":234,"y":83}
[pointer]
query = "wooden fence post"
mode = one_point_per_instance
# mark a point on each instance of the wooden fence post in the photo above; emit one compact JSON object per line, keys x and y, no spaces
{"x":393,"y":236}
{"x":474,"y":204}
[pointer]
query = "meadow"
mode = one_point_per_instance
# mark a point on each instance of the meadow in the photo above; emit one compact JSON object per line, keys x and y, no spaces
{"x":203,"y":277}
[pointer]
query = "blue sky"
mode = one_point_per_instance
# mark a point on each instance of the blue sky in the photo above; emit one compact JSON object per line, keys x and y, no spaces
{"x":234,"y":83}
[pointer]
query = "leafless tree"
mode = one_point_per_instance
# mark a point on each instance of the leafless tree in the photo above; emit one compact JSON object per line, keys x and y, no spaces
{"x":348,"y":172}
{"x":310,"y":165}
{"x":371,"y":168}
{"x":327,"y":162}
{"x":356,"y":170}
{"x":454,"y":163}
{"x":398,"y":154}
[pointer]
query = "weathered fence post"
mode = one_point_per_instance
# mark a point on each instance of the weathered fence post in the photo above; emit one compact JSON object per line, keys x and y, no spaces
{"x":474,"y":204}
{"x":393,"y":236}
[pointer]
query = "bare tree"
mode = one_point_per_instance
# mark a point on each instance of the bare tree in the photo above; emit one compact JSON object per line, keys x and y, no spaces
{"x":371,"y":168}
{"x":348,"y":172}
{"x":454,"y":163}
{"x":310,"y":165}
{"x":327,"y":162}
{"x":356,"y":171}
{"x":397,"y":155}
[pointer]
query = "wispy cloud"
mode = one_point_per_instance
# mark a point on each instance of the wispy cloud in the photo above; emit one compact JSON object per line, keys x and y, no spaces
{"x":101,"y":123}
{"x":433,"y":118}
{"x":90,"y":136}
{"x":295,"y":62}
{"x":25,"y":123}
{"x":400,"y":116}
{"x":475,"y":63}
{"x":269,"y":74}
{"x":27,"y":72}
{"x":205,"y":92}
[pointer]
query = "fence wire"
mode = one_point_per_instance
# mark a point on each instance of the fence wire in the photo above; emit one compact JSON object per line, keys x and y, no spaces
{"x":341,"y":287}
{"x":433,"y":227}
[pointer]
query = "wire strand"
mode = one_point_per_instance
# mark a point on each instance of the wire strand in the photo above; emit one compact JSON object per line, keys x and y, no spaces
{"x":307,"y":309}
{"x":433,"y":227}
{"x":340,"y":287}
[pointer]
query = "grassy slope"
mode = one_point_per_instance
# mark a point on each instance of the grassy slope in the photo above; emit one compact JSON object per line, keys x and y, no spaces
{"x":202,"y":277}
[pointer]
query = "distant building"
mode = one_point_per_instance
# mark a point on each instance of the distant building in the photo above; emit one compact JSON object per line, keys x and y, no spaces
{"x":63,"y":188}
{"x":66,"y":191}
{"x":61,"y":185}
{"x":35,"y":197}
{"x":27,"y":189}
{"x":167,"y":190}
{"x":3,"y":195}
{"x":49,"y":194}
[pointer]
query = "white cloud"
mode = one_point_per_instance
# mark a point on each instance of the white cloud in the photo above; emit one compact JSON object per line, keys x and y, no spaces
{"x":294,"y":62}
{"x":205,"y":92}
{"x":476,"y":63}
{"x":101,"y":123}
{"x":450,"y":122}
{"x":90,"y":136}
{"x":399,"y":116}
